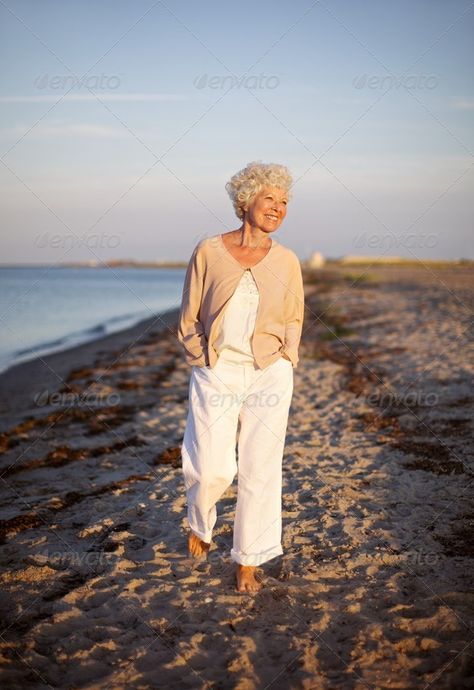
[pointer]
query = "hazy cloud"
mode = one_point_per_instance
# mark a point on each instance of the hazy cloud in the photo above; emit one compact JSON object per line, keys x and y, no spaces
{"x":116,"y":97}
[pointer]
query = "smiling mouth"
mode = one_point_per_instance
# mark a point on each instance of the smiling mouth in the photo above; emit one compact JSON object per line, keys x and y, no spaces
{"x":271,"y":217}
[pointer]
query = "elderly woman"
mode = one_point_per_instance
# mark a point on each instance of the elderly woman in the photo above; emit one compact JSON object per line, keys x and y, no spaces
{"x":240,"y":326}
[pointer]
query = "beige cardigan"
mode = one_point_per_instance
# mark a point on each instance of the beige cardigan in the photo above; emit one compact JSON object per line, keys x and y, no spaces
{"x":211,"y":278}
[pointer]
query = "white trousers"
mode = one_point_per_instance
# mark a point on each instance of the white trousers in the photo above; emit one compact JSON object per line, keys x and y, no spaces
{"x":218,"y":399}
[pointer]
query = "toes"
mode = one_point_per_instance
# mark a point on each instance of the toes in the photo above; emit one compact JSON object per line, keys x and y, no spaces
{"x":249,"y":587}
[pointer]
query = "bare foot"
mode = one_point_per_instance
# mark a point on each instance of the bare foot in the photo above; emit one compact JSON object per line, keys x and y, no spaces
{"x":196,"y":546}
{"x":246,"y":581}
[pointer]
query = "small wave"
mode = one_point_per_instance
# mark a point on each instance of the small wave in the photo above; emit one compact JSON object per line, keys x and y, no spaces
{"x":112,"y":325}
{"x":37,"y":348}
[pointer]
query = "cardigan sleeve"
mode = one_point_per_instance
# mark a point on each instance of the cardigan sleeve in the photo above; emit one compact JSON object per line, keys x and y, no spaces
{"x":191,"y":333}
{"x":294,"y":312}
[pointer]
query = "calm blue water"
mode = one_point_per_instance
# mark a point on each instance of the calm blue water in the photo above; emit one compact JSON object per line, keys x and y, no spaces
{"x":46,"y":310}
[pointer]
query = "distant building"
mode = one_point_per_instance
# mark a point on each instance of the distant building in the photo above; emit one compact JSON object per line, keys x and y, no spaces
{"x":360,"y":259}
{"x":316,"y":260}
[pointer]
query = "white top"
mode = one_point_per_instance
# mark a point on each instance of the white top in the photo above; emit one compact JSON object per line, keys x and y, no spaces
{"x":238,"y":322}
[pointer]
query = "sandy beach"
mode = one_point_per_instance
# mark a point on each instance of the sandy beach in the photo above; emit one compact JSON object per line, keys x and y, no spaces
{"x":374,"y":589}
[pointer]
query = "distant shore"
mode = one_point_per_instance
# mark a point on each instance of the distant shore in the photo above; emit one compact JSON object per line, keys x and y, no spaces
{"x":102,"y":264}
{"x":330,"y":262}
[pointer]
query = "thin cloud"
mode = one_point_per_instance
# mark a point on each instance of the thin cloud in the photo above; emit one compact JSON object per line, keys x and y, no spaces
{"x":46,"y":131}
{"x":116,"y":97}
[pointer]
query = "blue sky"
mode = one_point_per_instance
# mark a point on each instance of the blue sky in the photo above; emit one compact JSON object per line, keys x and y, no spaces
{"x":182,"y":95}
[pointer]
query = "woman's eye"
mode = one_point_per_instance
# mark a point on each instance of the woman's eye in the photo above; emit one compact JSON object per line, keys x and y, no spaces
{"x":270,"y":197}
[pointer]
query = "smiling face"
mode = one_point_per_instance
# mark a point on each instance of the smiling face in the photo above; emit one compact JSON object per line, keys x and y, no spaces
{"x":268,"y":209}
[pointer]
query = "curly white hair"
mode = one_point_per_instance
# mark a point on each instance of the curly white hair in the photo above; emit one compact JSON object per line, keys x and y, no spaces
{"x":248,"y":182}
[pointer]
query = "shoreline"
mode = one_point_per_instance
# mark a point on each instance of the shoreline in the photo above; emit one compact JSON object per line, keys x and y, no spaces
{"x":75,"y":338}
{"x":20,"y":382}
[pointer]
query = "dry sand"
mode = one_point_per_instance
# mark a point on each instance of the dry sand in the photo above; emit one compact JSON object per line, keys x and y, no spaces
{"x":374,"y":589}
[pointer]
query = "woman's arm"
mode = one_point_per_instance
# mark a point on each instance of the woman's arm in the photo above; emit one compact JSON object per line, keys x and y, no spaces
{"x":190,"y":329}
{"x":294,"y":313}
